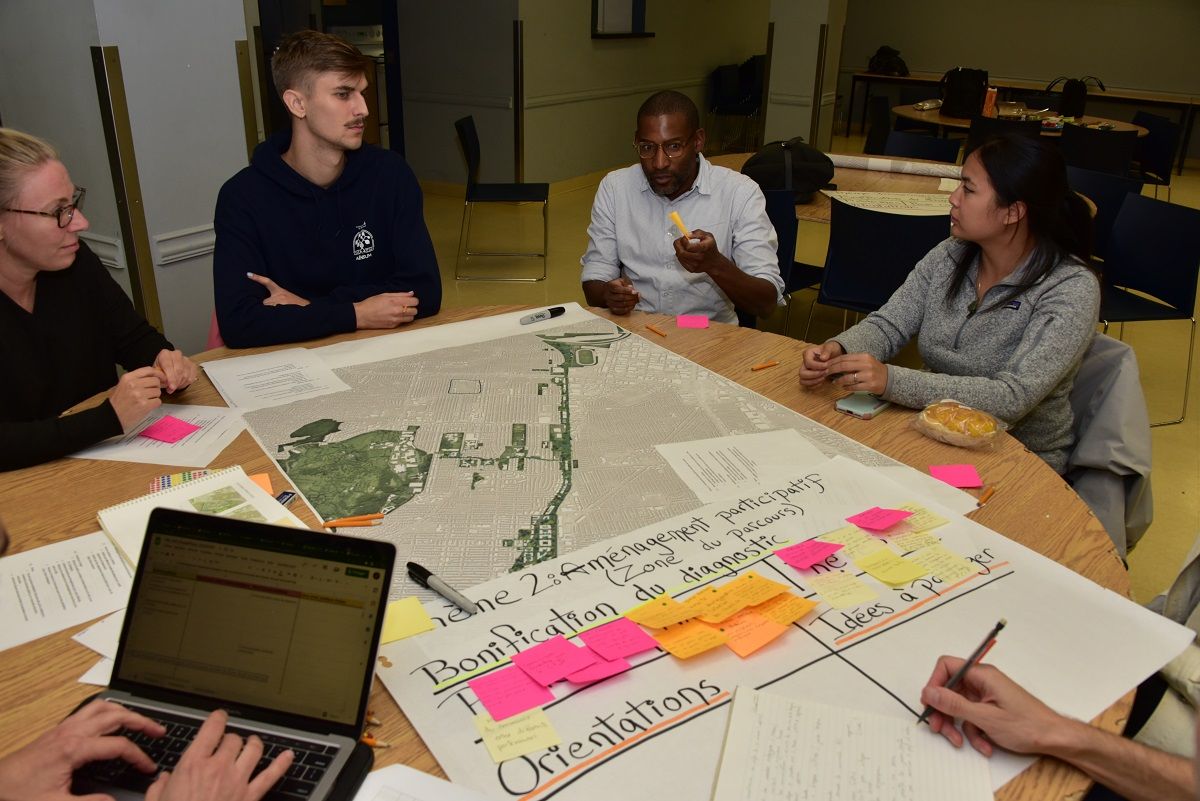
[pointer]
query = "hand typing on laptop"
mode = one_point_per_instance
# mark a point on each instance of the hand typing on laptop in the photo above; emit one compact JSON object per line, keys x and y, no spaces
{"x":216,"y":766}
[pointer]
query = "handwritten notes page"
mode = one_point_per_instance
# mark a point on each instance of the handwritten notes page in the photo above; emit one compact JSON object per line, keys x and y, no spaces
{"x":778,"y":747}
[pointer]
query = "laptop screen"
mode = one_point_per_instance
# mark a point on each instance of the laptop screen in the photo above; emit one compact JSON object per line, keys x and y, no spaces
{"x":253,"y":614}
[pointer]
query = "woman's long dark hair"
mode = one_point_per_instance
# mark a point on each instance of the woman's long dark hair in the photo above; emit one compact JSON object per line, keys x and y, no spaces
{"x":1028,"y":169}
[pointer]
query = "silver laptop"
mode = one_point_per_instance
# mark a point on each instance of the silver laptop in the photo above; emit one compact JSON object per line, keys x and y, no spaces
{"x":278,"y":626}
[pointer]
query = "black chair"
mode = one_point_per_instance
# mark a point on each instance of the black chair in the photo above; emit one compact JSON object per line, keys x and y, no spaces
{"x":916,"y":146}
{"x":1108,"y":192}
{"x":493,"y":193}
{"x":1155,"y":152}
{"x":984,"y":127}
{"x":1096,"y":150}
{"x":781,"y":208}
{"x":871,"y":253}
{"x":1154,"y":250}
{"x":879,"y":122}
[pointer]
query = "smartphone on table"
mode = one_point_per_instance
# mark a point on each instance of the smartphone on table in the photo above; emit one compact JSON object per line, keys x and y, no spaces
{"x":862,"y":405}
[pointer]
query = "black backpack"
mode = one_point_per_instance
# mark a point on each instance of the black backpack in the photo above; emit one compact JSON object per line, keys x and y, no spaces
{"x":790,"y":165}
{"x":1074,"y":93}
{"x":887,"y":61}
{"x":963,"y":92}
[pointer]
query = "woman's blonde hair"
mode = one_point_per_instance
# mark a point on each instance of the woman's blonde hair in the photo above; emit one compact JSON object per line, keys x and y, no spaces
{"x":19,"y":154}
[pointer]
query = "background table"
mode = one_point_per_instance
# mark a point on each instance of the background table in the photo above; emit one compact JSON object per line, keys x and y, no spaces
{"x":1032,"y":505}
{"x":934,"y":116}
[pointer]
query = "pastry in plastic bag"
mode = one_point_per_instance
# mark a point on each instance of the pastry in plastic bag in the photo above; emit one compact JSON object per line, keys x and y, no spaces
{"x":957,"y":424}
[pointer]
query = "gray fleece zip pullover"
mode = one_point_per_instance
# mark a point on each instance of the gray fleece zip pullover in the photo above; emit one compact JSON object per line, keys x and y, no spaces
{"x":1016,"y":362}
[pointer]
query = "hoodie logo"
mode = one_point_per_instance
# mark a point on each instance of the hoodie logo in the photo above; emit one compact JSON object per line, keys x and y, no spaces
{"x":364,"y":243}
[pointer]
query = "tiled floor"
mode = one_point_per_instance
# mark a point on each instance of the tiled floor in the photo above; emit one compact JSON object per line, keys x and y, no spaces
{"x":1161,"y":347}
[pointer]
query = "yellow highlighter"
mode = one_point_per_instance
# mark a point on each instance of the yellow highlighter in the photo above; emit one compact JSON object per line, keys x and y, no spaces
{"x":683,"y":229}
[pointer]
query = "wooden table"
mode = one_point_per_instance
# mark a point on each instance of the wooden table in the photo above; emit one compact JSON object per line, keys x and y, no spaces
{"x":934,"y":116}
{"x":847,"y":179}
{"x":52,"y":502}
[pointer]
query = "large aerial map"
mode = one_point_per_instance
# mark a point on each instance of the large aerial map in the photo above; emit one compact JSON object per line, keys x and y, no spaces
{"x":491,"y":457}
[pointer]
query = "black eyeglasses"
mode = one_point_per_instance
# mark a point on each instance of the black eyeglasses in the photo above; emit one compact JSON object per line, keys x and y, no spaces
{"x":649,"y":150}
{"x":63,"y":214}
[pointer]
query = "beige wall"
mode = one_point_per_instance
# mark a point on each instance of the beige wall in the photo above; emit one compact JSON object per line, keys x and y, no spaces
{"x":581,"y":94}
{"x":793,"y":68}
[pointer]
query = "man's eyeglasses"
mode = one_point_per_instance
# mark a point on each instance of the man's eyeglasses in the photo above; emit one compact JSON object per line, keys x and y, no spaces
{"x":649,"y":150}
{"x":63,"y":214}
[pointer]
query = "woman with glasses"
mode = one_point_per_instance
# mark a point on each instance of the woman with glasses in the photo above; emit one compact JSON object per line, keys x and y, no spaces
{"x":64,"y":322}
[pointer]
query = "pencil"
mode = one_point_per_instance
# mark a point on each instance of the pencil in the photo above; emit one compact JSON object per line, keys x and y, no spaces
{"x":371,"y":516}
{"x":352,"y":523}
{"x":986,"y":496}
{"x":764,"y":365}
{"x":971,"y":662}
{"x":683,"y":229}
{"x":659,"y":331}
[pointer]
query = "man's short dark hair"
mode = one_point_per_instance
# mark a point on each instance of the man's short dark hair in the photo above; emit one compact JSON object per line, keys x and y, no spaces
{"x":669,"y":101}
{"x":303,"y":55}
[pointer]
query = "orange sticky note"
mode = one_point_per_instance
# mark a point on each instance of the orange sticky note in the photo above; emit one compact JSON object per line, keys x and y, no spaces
{"x":713,"y":604}
{"x":663,"y":611}
{"x":747,"y":631}
{"x":685,"y":640}
{"x":786,"y":609}
{"x":753,"y":589}
{"x":263,"y":480}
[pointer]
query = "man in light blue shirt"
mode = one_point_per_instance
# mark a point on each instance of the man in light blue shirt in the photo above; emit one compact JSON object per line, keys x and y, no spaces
{"x":636,"y":257}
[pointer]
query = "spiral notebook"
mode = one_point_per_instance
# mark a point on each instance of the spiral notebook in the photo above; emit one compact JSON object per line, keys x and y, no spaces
{"x":225,"y":493}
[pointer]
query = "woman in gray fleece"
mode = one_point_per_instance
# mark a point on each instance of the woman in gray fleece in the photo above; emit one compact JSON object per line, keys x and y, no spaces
{"x":1003,"y":310}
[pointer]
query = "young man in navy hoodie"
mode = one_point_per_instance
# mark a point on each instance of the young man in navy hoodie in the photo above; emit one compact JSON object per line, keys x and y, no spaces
{"x":321,"y":234}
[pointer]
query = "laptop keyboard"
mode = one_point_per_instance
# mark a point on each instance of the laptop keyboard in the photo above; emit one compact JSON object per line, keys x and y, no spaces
{"x":307,"y":769}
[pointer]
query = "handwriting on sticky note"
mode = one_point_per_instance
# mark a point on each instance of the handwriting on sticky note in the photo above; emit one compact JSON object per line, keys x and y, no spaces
{"x":786,"y":609}
{"x":712,"y":604}
{"x":168,"y":429}
{"x":596,"y":671}
{"x":404,"y":618}
{"x":922,"y":519}
{"x":963,"y":476}
{"x":877,"y":519}
{"x":854,"y":540}
{"x":685,"y":640}
{"x":753,"y":589}
{"x":509,"y":691}
{"x":914,"y":541}
{"x":516,"y":736}
{"x":842,"y":590}
{"x":618,"y":639}
{"x":691,"y":321}
{"x":549,"y":661}
{"x":748,"y":631}
{"x":889,"y":568}
{"x":943,"y":563}
{"x":659,"y":613}
{"x":804,"y":555}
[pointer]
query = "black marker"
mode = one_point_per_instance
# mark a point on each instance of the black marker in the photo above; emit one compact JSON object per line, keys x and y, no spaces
{"x":537,"y":317}
{"x":426,"y":579}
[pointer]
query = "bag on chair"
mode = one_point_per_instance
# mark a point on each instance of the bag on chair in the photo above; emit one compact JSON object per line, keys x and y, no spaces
{"x":963,"y":92}
{"x":887,"y":61}
{"x":1074,"y":93}
{"x":790,"y":165}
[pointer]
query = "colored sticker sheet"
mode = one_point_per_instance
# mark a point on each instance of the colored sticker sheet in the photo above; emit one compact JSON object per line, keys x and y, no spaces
{"x":786,"y":609}
{"x":748,"y":631}
{"x":509,"y":691}
{"x":914,"y":541}
{"x":663,"y":611}
{"x":168,"y":429}
{"x":889,"y":568}
{"x":552,"y":660}
{"x":855,"y":542}
{"x":943,"y":563}
{"x":404,"y":618}
{"x":963,"y":476}
{"x":598,"y":670}
{"x":516,"y":736}
{"x":877,"y":519}
{"x":842,"y":590}
{"x":618,"y":639}
{"x":805,"y":554}
{"x":685,"y":640}
{"x":922,"y":519}
{"x":691,"y":321}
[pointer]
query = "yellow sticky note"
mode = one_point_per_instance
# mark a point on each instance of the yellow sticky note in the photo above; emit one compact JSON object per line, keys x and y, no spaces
{"x":404,"y":618}
{"x":675,"y":218}
{"x":516,"y":736}
{"x":889,"y":568}
{"x":747,"y":631}
{"x":786,"y":608}
{"x":263,"y":480}
{"x":854,"y":540}
{"x":922,"y":519}
{"x":663,"y":611}
{"x":685,"y":640}
{"x":943,"y":563}
{"x":842,"y":590}
{"x":914,"y":541}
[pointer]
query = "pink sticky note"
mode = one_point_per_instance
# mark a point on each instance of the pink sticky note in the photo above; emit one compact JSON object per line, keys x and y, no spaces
{"x":876,"y":519}
{"x":806,"y":554}
{"x":600,"y":670}
{"x":168,"y":429}
{"x":552,"y":660}
{"x":509,"y":691}
{"x":962,"y":476}
{"x":618,"y":639}
{"x":691,"y":321}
